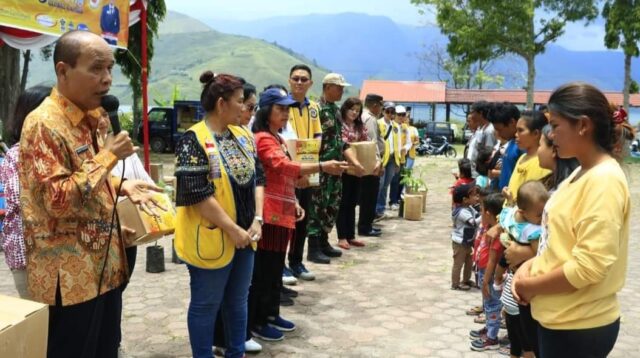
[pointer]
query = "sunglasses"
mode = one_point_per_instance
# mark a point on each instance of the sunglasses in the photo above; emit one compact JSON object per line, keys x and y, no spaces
{"x":401,"y":114}
{"x":297,"y":79}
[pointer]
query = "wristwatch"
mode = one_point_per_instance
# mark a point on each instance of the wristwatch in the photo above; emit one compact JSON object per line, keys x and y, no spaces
{"x":259,"y":219}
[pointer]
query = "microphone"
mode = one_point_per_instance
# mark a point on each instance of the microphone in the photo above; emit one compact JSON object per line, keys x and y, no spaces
{"x":110,"y":104}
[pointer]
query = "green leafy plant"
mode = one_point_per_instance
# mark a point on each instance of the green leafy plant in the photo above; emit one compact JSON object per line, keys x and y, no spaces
{"x":413,"y":179}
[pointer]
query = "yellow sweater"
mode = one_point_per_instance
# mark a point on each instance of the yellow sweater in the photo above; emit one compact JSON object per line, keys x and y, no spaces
{"x":587,"y":234}
{"x":524,"y":172}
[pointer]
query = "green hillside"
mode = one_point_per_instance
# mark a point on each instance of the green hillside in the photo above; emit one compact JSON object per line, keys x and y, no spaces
{"x":184,"y":50}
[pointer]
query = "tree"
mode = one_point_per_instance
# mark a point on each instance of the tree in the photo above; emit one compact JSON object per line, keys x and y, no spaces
{"x":523,"y":28}
{"x":9,"y":80}
{"x":129,"y":60}
{"x":623,"y":31}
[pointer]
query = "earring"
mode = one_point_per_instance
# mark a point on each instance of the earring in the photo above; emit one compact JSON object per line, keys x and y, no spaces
{"x":581,"y":133}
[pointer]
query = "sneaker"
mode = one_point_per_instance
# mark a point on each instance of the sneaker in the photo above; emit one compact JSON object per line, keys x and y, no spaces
{"x":281,"y":324}
{"x":287,"y":277}
{"x":267,"y":333}
{"x":289,"y":292}
{"x":505,"y":350}
{"x":477,"y":333}
{"x":218,"y":352}
{"x":395,"y":207}
{"x":301,"y":272}
{"x":485,"y":344}
{"x":251,"y":346}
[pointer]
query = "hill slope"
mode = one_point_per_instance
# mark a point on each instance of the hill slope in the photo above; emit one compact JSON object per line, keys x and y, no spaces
{"x":181,"y":55}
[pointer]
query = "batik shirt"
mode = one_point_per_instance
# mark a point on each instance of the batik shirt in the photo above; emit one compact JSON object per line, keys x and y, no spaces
{"x":13,"y":240}
{"x":67,"y":201}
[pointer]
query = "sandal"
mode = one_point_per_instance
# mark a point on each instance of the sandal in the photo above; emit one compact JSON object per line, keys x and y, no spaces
{"x":343,"y":244}
{"x":482,"y":319}
{"x":461,"y":287}
{"x":475,"y":311}
{"x":356,"y":243}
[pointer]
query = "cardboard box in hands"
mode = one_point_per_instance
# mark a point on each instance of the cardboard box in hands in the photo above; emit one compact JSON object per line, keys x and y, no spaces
{"x":148,"y":228}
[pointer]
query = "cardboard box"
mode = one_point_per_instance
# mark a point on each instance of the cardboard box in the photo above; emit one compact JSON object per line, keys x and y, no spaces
{"x":24,"y":327}
{"x":306,"y":151}
{"x":366,"y":155}
{"x":148,"y":228}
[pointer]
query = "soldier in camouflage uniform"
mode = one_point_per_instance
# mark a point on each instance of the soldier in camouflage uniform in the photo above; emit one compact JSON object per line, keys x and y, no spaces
{"x":325,"y":200}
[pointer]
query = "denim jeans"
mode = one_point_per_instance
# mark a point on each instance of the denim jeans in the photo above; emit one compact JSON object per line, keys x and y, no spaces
{"x":492,"y":307}
{"x":409,"y":163}
{"x":385,"y":181}
{"x":226,"y":288}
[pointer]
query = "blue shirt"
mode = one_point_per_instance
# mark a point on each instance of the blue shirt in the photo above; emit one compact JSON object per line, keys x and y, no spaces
{"x":509,"y":160}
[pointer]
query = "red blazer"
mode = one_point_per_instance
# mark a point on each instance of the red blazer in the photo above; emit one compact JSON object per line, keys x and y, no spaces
{"x":281,"y":174}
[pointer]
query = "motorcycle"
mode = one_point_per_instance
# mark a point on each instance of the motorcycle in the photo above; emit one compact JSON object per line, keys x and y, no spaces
{"x":426,"y":147}
{"x":634,"y":148}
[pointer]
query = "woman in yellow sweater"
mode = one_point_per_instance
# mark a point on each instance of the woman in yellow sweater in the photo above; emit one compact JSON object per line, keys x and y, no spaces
{"x":582,"y":258}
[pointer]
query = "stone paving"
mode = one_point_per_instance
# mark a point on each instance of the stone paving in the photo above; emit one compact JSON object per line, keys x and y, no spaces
{"x":391,"y":298}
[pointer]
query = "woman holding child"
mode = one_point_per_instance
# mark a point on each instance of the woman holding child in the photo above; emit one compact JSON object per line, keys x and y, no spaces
{"x":581,"y":263}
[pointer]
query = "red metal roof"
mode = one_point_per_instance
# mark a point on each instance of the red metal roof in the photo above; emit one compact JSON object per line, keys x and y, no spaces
{"x":436,"y":92}
{"x":406,"y":91}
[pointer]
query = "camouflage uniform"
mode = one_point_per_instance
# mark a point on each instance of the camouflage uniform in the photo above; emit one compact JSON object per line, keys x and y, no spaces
{"x":325,"y":200}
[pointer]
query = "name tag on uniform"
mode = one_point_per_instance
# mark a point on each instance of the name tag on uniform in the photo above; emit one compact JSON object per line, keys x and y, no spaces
{"x":81,"y":149}
{"x":214,"y":160}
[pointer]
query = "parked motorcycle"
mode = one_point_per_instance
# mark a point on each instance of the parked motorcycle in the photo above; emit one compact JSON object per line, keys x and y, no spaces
{"x":426,"y":147}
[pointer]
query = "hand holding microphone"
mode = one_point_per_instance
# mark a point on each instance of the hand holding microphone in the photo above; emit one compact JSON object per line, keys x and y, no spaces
{"x":120,"y":143}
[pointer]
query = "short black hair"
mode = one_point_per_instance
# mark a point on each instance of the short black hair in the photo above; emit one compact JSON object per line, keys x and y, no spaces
{"x":493,"y":203}
{"x":301,"y":67}
{"x":481,"y":107}
{"x":261,"y":120}
{"x":483,"y":160}
{"x":69,"y":47}
{"x":277,"y":85}
{"x":248,"y":90}
{"x":462,"y":191}
{"x":464,"y":167}
{"x":503,"y":113}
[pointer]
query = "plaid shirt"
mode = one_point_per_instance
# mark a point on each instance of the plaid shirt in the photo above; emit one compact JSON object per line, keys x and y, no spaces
{"x":67,"y":202}
{"x":13,"y":240}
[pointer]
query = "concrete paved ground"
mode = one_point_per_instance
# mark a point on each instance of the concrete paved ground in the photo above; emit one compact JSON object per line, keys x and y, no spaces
{"x":391,"y":298}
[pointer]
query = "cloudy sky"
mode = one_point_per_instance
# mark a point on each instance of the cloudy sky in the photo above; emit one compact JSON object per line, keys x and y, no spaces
{"x":577,"y":36}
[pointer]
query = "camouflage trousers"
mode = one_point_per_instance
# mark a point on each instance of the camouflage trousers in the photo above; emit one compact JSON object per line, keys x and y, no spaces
{"x":325,"y":203}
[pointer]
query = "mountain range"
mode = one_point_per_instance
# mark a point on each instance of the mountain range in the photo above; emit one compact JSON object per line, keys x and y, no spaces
{"x":374,"y":47}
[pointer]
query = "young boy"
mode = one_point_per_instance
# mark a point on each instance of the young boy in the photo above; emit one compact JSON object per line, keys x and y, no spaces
{"x":488,"y":254}
{"x":465,"y":222}
{"x":521,"y":224}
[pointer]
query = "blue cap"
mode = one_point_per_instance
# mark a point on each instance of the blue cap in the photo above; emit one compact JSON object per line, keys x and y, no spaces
{"x":275,"y":96}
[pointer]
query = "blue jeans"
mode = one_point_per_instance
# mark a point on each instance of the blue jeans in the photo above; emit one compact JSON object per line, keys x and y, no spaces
{"x":227,"y":287}
{"x":492,"y":307}
{"x":409,"y":163}
{"x":385,"y":180}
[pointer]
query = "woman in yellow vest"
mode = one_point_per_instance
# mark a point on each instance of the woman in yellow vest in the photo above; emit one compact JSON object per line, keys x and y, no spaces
{"x":581,"y":264}
{"x":219,"y":198}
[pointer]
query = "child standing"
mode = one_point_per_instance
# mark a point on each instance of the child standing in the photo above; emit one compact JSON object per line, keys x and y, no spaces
{"x":465,"y":222}
{"x":487,"y":255}
{"x":521,"y":226}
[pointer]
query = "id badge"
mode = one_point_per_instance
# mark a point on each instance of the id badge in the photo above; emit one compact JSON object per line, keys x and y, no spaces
{"x":214,"y":161}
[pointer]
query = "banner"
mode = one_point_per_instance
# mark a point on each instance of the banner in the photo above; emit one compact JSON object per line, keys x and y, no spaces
{"x":106,"y":18}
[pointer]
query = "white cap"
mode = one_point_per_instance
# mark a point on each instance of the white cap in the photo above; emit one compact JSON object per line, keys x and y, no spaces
{"x":400,"y":109}
{"x":335,"y":79}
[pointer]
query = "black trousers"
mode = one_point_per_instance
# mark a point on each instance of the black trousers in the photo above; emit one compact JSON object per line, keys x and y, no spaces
{"x":368,"y":196}
{"x":86,"y":330}
{"x":584,"y":343}
{"x":266,"y":283}
{"x":296,"y":248}
{"x":529,"y":328}
{"x":346,"y":222}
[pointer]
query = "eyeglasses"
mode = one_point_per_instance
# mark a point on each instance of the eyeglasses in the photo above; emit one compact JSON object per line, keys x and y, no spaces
{"x":392,"y":112}
{"x":249,"y":107}
{"x":298,"y":79}
{"x":401,"y":114}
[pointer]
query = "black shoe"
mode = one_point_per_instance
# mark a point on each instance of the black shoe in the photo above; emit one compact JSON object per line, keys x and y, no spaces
{"x":289,"y":292}
{"x":285,"y":300}
{"x":318,"y":257}
{"x":372,"y":233}
{"x":331,"y":252}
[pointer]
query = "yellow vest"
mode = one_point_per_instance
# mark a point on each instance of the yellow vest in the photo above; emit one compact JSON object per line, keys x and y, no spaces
{"x":306,"y":124}
{"x":382,"y":125}
{"x":199,"y":242}
{"x":415,"y":140}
